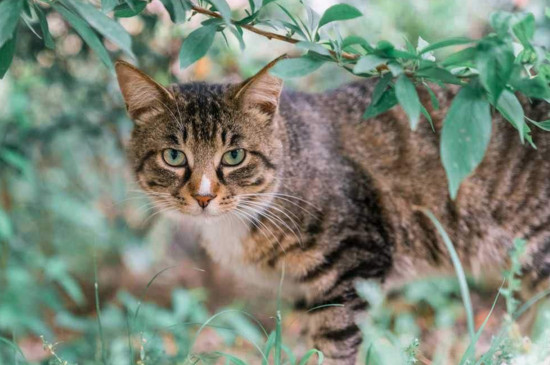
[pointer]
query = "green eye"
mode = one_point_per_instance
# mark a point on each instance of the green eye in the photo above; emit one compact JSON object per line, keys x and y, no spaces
{"x":234,"y":157}
{"x":174,"y":157}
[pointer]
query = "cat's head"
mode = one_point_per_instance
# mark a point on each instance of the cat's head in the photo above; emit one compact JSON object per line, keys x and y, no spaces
{"x":203,"y":149}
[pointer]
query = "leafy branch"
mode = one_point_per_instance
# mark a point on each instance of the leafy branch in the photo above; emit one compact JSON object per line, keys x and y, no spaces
{"x":268,"y":35}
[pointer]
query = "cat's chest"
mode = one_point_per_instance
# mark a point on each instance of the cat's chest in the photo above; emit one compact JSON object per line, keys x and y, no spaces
{"x":227,"y":241}
{"x":223,"y":239}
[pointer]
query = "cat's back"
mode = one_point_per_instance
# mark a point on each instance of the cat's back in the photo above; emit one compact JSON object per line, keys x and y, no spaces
{"x":506,"y":196}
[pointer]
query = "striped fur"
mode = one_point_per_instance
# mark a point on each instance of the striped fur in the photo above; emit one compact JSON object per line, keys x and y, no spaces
{"x":331,"y":198}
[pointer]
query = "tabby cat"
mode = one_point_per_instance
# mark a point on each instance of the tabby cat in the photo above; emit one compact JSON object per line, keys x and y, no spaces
{"x":279,"y":180}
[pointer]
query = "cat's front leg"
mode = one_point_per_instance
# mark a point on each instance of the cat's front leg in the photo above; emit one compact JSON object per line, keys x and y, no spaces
{"x":333,"y":329}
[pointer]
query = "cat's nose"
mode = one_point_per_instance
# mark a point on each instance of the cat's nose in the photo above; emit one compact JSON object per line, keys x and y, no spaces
{"x":203,"y":200}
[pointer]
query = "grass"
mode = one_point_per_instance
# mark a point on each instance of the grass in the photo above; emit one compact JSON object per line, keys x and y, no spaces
{"x":391,"y":336}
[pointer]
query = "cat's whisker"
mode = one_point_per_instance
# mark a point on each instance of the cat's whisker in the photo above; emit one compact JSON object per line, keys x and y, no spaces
{"x":268,"y":215}
{"x":298,"y":235}
{"x":281,"y":209}
{"x":142,"y":196}
{"x":236,"y":215}
{"x":158,"y":201}
{"x":287,"y":212}
{"x":293,"y":197}
{"x":288,"y":196}
{"x":162,"y":210}
{"x":313,"y":215}
{"x":253,"y":211}
{"x":248,"y":217}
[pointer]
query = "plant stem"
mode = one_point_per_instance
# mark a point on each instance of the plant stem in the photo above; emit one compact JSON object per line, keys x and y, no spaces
{"x":268,"y":35}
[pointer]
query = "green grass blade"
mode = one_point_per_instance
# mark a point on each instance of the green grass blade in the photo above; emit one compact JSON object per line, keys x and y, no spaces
{"x":470,"y":351}
{"x":278,"y":319}
{"x":528,"y":304}
{"x":142,"y":296}
{"x":309,"y":354}
{"x":13,"y":346}
{"x":231,"y":359}
{"x":268,"y":347}
{"x":206,"y":324}
{"x":98,"y":313}
{"x":464,"y":290}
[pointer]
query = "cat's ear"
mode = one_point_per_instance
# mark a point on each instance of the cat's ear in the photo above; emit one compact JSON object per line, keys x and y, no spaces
{"x":261,"y":91}
{"x":141,"y":93}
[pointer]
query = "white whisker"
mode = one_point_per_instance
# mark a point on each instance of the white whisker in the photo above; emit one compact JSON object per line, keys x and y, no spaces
{"x":252,"y":211}
{"x":283,"y":199}
{"x":275,"y":216}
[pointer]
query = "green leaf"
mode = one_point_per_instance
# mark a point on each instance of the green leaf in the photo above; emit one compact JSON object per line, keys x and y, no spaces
{"x":395,"y":68}
{"x":339,"y":12}
{"x":196,"y":45}
{"x":125,"y":11}
{"x":427,"y":116}
{"x":71,"y":287}
{"x":108,"y":5}
{"x":16,"y":160}
{"x":87,"y":34}
{"x":296,"y":67}
{"x":407,"y":96}
{"x":544,"y":125}
{"x":446,"y":43}
{"x":177,"y":10}
{"x":223,"y":8}
{"x":9,"y":16}
{"x":525,"y":29}
{"x":500,"y":21}
{"x":46,"y":36}
{"x":511,"y":109}
{"x":381,"y":87}
{"x":315,"y":47}
{"x":494,"y":61}
{"x":387,"y":101}
{"x":295,"y":26}
{"x":6,"y":230}
{"x":465,"y":135}
{"x":438,"y":74}
{"x":397,"y":53}
{"x":106,"y":26}
{"x":433,"y":98}
{"x":6,"y":55}
{"x":464,"y":56}
{"x":353,"y":39}
{"x":368,"y":63}
{"x":238,"y":33}
{"x":536,"y":87}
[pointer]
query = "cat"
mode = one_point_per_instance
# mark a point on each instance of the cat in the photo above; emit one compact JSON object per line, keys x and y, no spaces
{"x":279,"y":180}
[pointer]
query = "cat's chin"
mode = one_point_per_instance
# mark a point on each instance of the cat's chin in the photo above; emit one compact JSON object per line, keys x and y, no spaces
{"x":204,"y":216}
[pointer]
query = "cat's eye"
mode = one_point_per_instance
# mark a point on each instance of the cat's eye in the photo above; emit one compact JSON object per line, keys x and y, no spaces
{"x":174,"y":157}
{"x":233,"y":157}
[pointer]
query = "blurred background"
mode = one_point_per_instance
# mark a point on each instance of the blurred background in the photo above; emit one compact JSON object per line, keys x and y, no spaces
{"x":71,"y":215}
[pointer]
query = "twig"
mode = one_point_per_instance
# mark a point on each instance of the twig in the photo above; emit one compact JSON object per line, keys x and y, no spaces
{"x":268,"y":35}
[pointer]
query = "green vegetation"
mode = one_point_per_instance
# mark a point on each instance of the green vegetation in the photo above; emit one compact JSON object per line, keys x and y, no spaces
{"x":71,"y":218}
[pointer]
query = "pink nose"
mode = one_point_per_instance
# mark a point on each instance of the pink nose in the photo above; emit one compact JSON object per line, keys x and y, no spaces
{"x":203,"y":200}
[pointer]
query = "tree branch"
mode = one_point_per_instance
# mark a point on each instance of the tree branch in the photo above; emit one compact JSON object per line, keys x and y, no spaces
{"x":268,"y":35}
